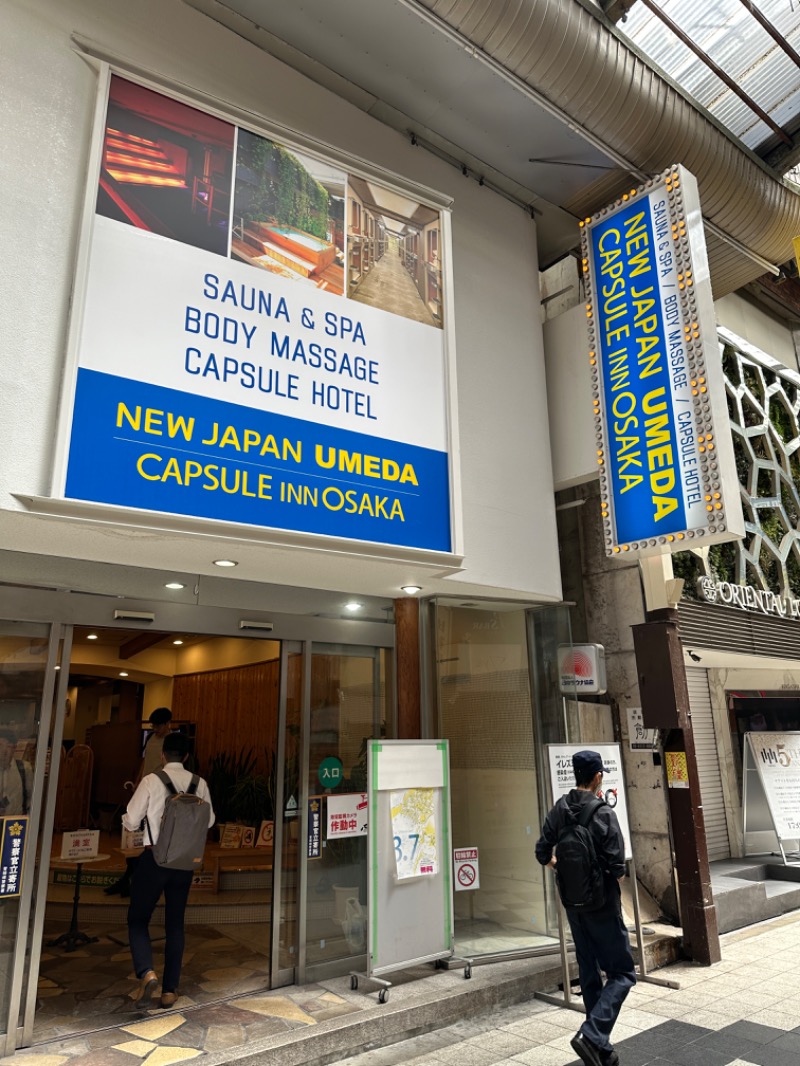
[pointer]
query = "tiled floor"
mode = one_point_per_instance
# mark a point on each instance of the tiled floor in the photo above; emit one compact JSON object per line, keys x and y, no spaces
{"x":91,"y":988}
{"x":744,"y":1011}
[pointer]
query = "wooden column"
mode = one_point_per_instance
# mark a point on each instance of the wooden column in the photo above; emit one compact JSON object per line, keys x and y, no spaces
{"x":665,"y":705}
{"x":406,"y":618}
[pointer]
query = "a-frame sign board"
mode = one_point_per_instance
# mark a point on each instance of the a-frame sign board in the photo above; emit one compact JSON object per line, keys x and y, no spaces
{"x":771,"y":795}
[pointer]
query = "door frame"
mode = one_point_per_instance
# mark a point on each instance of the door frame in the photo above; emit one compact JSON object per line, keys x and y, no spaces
{"x":19,"y":985}
{"x":62,"y":611}
{"x":335,"y":968}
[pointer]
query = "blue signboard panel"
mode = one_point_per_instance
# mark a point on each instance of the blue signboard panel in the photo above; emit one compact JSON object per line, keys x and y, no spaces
{"x":314,"y":827}
{"x":664,"y":452}
{"x":12,"y":852}
{"x":141,"y":445}
{"x":644,"y":449}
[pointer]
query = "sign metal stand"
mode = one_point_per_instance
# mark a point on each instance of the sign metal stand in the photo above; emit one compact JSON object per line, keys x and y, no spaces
{"x":559,"y":787}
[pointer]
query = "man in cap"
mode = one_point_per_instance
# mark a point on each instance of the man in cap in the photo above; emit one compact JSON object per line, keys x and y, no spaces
{"x":595,"y":919}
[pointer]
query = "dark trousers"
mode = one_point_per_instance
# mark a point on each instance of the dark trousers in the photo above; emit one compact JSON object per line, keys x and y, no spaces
{"x":149,"y":881}
{"x":601,"y":943}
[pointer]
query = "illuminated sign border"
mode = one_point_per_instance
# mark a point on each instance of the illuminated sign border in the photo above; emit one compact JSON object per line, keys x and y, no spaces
{"x":706,"y":499}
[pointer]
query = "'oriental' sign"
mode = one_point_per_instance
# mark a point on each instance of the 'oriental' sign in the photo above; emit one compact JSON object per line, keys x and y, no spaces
{"x":748,"y":598}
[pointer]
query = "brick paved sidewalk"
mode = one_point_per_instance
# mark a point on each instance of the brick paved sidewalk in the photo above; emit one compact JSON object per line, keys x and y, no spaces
{"x":744,"y":1010}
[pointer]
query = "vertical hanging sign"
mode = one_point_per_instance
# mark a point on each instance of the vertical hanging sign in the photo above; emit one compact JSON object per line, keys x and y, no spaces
{"x":664,"y":450}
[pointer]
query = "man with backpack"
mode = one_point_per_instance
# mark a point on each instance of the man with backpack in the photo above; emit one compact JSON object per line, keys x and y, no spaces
{"x":175,"y":807}
{"x":589,"y":864}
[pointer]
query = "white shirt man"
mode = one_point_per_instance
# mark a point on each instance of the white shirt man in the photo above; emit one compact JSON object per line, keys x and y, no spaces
{"x":150,"y":880}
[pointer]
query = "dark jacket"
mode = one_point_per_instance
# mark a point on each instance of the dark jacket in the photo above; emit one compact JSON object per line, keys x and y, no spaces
{"x":604,"y":827}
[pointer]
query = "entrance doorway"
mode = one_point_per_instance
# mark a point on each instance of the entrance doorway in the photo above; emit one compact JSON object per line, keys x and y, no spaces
{"x":223,"y":694}
{"x":261,"y":715}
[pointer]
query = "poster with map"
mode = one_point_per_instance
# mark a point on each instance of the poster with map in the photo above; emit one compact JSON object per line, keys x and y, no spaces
{"x":414,"y":833}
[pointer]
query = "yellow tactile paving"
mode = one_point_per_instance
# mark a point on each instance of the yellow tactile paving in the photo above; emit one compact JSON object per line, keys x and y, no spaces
{"x":163,"y":1056}
{"x":140,"y":1048}
{"x":275,"y":1007}
{"x":155,"y":1028}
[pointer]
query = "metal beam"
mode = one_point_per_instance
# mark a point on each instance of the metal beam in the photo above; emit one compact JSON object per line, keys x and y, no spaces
{"x":777,"y":37}
{"x":651,"y":5}
{"x":139,"y":643}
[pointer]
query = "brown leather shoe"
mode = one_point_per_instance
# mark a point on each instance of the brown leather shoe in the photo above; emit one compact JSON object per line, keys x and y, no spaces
{"x":147,"y":986}
{"x":168,"y":999}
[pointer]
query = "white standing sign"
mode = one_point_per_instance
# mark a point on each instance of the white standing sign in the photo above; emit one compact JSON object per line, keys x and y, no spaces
{"x":80,"y":844}
{"x":562,"y":779}
{"x":777,"y":760}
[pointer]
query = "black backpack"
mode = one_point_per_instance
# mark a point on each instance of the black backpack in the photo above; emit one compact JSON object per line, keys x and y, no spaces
{"x":579,"y":876}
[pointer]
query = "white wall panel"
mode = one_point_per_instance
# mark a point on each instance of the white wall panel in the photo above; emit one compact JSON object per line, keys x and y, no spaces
{"x":49,"y":90}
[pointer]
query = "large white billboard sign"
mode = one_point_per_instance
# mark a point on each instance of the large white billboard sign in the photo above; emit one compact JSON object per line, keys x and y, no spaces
{"x":262,"y":336}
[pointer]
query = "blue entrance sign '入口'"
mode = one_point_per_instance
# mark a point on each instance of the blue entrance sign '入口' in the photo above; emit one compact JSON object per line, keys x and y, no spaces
{"x":642,"y":454}
{"x":140,"y":445}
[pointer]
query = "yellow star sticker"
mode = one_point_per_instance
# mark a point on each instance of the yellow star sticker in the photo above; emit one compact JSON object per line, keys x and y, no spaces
{"x":315,"y":805}
{"x":15,"y":829}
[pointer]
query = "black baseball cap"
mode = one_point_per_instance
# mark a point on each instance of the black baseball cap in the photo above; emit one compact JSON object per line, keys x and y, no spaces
{"x":588,"y":762}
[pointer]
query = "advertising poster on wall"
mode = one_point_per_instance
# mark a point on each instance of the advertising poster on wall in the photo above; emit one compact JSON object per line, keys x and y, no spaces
{"x":261,"y":339}
{"x":416,"y":847}
{"x":562,"y":779}
{"x":347,"y":815}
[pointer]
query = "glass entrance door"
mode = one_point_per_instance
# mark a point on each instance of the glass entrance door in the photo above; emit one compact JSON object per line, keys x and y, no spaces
{"x":29,"y":655}
{"x":350,"y":703}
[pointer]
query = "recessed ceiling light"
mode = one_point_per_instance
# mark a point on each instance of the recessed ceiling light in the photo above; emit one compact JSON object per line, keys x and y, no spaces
{"x":225,"y":562}
{"x":353,"y":606}
{"x":177,"y":642}
{"x":91,"y":636}
{"x":123,"y":673}
{"x":174,"y":585}
{"x":411,"y":590}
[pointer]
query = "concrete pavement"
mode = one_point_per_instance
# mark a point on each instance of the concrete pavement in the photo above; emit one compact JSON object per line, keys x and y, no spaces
{"x":743,"y":1010}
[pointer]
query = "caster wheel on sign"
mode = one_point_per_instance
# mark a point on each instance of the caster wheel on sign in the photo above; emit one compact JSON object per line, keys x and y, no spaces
{"x":354,"y":983}
{"x":383,"y":995}
{"x":467,"y":973}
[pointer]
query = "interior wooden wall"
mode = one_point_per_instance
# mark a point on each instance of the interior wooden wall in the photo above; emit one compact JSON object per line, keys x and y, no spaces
{"x":234,"y":710}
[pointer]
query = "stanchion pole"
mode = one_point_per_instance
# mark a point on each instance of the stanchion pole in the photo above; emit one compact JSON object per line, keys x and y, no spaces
{"x":566,"y":1000}
{"x":637,"y":921}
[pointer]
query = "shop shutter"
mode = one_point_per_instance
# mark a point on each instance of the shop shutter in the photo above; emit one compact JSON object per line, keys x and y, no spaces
{"x":706,"y":746}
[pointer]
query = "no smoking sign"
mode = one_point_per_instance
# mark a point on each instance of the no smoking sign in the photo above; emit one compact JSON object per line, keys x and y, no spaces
{"x":467,"y":873}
